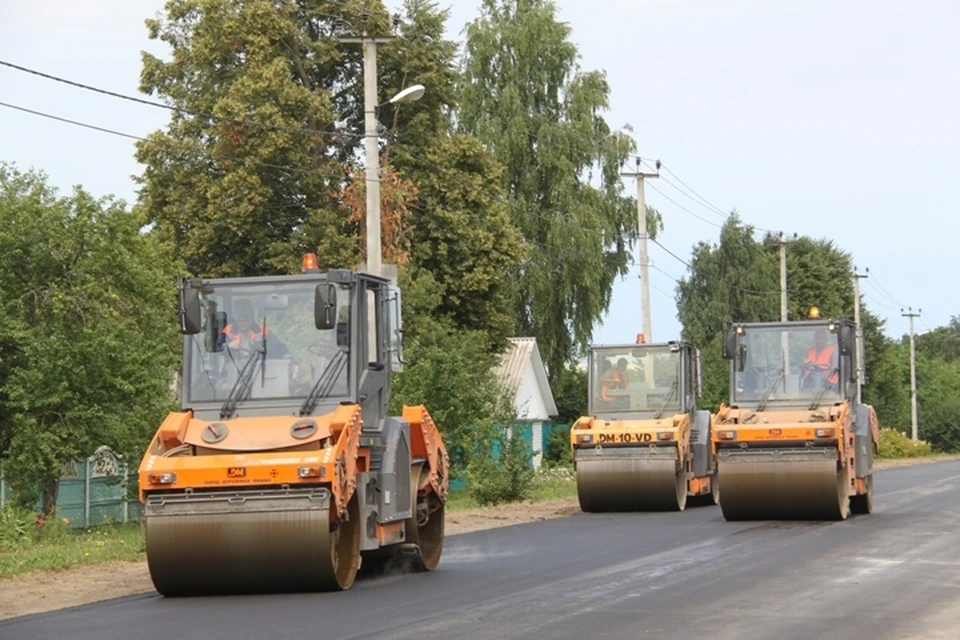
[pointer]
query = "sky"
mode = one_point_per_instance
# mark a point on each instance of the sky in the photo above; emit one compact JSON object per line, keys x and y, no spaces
{"x":832,"y":119}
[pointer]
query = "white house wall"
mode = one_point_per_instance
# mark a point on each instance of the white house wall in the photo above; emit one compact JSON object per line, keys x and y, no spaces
{"x":529,"y":402}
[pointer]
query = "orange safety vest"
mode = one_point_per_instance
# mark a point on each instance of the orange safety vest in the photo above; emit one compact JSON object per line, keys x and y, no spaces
{"x":824,"y":360}
{"x":608,"y":384}
{"x":235,"y":337}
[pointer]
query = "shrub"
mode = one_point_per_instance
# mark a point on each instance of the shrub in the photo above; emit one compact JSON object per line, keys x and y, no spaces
{"x":896,"y":444}
{"x":557,"y":449}
{"x":509,"y":478}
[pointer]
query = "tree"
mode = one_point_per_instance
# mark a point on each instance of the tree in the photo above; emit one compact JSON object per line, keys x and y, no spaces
{"x":461,"y":231}
{"x":738,"y":280}
{"x":524,"y":96}
{"x":88,"y":338}
{"x":249,"y":173}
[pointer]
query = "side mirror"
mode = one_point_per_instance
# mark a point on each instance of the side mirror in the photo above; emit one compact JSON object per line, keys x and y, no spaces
{"x":729,"y":342}
{"x":325,"y":306}
{"x":190,"y":320}
{"x":848,"y":340}
{"x":213,"y":338}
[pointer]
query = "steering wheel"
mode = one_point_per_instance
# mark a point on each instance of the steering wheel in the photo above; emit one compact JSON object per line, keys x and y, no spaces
{"x":809,"y":366}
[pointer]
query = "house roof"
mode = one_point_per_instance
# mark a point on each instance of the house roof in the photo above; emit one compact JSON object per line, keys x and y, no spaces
{"x":520,"y":353}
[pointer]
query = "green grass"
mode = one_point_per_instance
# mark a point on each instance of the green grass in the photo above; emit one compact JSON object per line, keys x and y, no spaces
{"x":24,"y":548}
{"x":548,"y":484}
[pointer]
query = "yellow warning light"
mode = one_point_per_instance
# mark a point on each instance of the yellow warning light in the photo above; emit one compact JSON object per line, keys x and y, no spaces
{"x":814,"y":312}
{"x":309,"y":263}
{"x":640,"y":338}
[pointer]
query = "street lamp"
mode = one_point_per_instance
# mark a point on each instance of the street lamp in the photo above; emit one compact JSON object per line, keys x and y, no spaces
{"x":410,"y":94}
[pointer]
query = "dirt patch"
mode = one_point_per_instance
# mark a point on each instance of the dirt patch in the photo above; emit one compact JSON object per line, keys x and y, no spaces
{"x":909,"y":462}
{"x":509,"y":514}
{"x":42,"y":591}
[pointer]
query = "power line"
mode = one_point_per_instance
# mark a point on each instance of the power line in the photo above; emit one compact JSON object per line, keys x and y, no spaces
{"x":721,"y":280}
{"x":698,"y":217}
{"x":885,"y":293}
{"x":198,"y":149}
{"x":160,"y":105}
{"x":73,"y":122}
{"x":703,"y":202}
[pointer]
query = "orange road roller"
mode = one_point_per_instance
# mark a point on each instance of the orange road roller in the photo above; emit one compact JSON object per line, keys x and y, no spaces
{"x":795,"y":441}
{"x":283,"y":470}
{"x":644,"y":445}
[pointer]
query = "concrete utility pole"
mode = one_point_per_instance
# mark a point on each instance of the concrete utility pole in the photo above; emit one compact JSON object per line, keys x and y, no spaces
{"x":783,"y":275}
{"x":859,"y":334}
{"x":784,"y":338}
{"x":371,"y":143}
{"x":644,"y":256}
{"x":913,"y":372}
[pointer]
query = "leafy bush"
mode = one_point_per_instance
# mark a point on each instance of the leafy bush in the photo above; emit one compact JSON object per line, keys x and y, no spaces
{"x":896,"y":444}
{"x":506,"y":479}
{"x":16,"y":525}
{"x":557,"y":448}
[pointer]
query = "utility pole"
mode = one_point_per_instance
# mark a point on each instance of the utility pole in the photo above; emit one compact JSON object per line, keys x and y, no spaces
{"x":859,"y":334}
{"x":371,"y":141}
{"x":913,"y":372}
{"x":644,"y":256}
{"x":783,"y":275}
{"x":784,"y":338}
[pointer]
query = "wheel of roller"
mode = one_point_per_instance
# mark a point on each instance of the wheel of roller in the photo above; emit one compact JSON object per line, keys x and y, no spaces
{"x":715,"y":488}
{"x":863,"y":503}
{"x":427,"y":536}
{"x":345,"y":547}
{"x":680,"y":484}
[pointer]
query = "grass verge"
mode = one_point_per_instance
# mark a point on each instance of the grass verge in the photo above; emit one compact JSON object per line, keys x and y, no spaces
{"x":61,"y":548}
{"x":547,"y":484}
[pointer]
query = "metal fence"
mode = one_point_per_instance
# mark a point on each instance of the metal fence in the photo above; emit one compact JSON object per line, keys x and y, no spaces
{"x":92,"y":491}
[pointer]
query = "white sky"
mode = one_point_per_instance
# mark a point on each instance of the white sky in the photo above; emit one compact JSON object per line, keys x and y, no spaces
{"x":829,"y":118}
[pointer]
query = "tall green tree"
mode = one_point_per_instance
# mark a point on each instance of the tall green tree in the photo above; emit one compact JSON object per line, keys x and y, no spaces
{"x":88,"y":339}
{"x":248,"y":174}
{"x":524,"y":95}
{"x":461,"y":230}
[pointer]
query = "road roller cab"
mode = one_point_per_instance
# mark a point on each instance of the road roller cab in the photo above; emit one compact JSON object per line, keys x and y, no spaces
{"x":793,"y":442}
{"x":283,"y":467}
{"x":644,"y":444}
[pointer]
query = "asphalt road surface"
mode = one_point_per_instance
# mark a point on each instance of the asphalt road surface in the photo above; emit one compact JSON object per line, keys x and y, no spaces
{"x":892,"y":574}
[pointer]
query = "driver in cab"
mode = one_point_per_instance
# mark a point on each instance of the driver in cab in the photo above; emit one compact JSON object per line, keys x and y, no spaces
{"x":822,"y":359}
{"x":615,"y":378}
{"x":245,"y":332}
